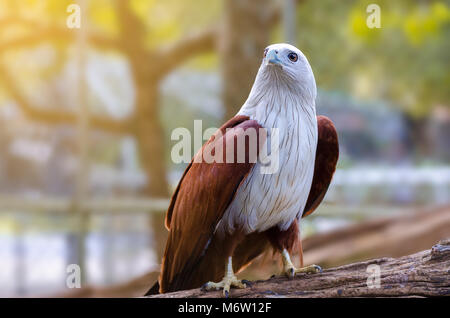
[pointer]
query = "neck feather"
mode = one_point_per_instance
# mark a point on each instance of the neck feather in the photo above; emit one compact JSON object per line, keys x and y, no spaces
{"x":274,"y":98}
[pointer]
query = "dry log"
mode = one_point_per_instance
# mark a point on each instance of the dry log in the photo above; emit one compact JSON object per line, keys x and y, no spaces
{"x":424,"y":274}
{"x":388,"y":236}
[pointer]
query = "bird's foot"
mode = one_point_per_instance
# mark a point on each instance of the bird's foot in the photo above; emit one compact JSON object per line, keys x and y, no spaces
{"x":290,"y":270}
{"x":226,"y":283}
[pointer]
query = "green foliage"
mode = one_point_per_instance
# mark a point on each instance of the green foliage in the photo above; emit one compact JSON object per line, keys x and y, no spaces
{"x":405,"y":61}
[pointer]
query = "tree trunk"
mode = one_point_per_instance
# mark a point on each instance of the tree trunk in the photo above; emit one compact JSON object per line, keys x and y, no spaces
{"x":418,"y":138}
{"x":245,"y":34}
{"x":425,"y":274}
{"x":147,"y":128}
{"x":150,"y":139}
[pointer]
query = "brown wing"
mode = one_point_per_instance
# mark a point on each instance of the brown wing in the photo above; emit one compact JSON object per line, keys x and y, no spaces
{"x":327,"y":155}
{"x":201,"y":198}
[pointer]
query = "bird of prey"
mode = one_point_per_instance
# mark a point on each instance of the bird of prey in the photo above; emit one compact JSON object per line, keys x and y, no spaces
{"x":223,"y":215}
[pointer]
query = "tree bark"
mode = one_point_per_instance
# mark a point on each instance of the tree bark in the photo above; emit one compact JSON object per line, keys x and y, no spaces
{"x":246,"y":32}
{"x":418,"y":137}
{"x":425,"y":274}
{"x":150,"y":139}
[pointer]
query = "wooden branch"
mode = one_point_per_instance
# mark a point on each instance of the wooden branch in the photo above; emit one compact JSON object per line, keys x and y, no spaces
{"x":54,"y":116}
{"x":40,"y":33}
{"x":170,"y":57}
{"x":425,"y":274}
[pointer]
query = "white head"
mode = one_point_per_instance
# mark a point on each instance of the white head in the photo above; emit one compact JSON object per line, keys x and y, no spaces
{"x":286,"y":70}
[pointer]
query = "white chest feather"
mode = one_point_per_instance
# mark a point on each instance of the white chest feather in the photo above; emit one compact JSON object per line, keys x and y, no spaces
{"x":267,"y":200}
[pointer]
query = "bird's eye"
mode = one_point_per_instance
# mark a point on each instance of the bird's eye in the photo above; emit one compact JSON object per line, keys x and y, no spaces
{"x":293,"y":57}
{"x":265,"y":52}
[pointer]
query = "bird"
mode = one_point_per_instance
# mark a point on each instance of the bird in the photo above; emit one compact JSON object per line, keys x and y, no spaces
{"x":223,"y":215}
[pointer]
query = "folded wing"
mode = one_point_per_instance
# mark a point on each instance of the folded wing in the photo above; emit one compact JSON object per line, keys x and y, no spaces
{"x":327,"y":155}
{"x":200,"y":200}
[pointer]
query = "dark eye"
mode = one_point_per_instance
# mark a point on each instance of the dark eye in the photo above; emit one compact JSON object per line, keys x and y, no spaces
{"x":293,"y":57}
{"x":265,"y":52}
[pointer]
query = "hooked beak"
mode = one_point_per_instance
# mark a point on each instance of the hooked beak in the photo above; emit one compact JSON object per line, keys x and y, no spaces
{"x":272,"y":58}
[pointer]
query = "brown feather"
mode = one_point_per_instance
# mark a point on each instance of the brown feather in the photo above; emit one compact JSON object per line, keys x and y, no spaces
{"x":327,"y":155}
{"x":201,"y":198}
{"x":287,"y":239}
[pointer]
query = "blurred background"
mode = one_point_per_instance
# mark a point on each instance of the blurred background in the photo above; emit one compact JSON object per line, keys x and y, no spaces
{"x":86,"y":116}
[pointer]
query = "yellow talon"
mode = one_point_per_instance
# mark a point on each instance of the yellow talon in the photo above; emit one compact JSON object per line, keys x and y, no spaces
{"x":229,"y":280}
{"x":290,"y":269}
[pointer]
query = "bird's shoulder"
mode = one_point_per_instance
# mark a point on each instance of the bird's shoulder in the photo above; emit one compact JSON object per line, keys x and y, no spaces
{"x":205,"y":177}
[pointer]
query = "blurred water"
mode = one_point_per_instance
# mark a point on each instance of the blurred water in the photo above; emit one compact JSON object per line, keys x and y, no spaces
{"x":391,"y":185}
{"x":35,"y":263}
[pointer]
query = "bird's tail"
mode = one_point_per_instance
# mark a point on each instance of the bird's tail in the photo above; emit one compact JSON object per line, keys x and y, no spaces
{"x":154,"y":290}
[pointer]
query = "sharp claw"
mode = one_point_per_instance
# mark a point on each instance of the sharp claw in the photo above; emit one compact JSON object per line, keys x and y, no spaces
{"x":292,"y":273}
{"x":247,"y":283}
{"x":318,"y":268}
{"x":225,"y":284}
